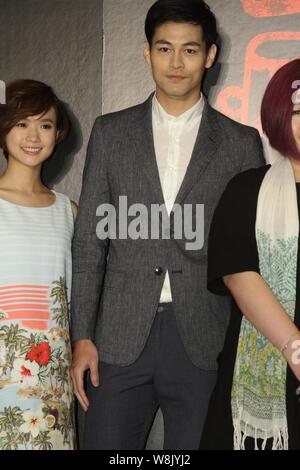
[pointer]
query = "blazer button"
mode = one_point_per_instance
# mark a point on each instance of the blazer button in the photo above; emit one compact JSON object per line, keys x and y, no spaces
{"x":158,"y":271}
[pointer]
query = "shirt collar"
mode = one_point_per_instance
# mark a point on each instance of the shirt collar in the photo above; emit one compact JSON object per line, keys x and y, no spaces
{"x":188,"y":118}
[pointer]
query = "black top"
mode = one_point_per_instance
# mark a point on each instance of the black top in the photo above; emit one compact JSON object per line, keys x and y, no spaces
{"x":232,"y":248}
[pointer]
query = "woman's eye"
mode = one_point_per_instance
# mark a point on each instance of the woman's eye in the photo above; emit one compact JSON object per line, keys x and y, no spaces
{"x":46,"y":126}
{"x":20,"y":124}
{"x":296,"y":112}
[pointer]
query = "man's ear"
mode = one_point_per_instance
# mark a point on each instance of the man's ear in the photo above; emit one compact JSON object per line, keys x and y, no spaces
{"x":147,"y":52}
{"x":211,"y":55}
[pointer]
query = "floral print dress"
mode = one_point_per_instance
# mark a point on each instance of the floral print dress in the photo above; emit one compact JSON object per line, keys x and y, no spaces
{"x":36,"y":399}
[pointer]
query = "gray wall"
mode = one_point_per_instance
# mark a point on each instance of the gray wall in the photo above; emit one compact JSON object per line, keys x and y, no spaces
{"x":59,"y":42}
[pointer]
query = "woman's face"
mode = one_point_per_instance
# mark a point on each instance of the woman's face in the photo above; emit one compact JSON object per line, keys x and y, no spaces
{"x":296,"y":124}
{"x":32,"y":140}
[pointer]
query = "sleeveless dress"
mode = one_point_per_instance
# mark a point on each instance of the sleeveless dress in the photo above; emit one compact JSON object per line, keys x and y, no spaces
{"x":36,"y":398}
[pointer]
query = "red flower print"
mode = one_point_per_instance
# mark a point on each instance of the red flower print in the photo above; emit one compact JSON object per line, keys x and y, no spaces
{"x":40,"y":354}
{"x":25,"y":372}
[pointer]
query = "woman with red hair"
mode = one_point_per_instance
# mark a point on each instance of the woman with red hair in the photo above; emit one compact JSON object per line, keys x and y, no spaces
{"x":254,"y":256}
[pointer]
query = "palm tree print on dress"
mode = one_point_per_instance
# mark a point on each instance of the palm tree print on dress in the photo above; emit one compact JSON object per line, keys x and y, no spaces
{"x":34,"y":365}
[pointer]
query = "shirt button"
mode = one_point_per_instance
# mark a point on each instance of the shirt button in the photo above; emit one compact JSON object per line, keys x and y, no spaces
{"x":158,"y":271}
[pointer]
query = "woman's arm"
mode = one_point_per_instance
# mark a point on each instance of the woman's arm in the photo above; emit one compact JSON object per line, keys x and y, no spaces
{"x":260,"y":306}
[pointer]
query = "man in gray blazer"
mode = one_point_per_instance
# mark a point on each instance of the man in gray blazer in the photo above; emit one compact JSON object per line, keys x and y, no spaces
{"x":143,"y":323}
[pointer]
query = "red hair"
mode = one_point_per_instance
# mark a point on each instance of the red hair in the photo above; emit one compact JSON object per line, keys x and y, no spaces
{"x":276,"y":110}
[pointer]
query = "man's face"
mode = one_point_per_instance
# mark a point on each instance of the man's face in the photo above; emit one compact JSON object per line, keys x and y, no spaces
{"x":178,"y":58}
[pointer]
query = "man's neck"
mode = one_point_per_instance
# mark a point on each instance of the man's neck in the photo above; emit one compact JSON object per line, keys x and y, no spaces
{"x":176,"y":106}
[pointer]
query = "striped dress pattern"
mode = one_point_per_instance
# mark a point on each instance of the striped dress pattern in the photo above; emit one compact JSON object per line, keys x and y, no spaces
{"x":36,"y":398}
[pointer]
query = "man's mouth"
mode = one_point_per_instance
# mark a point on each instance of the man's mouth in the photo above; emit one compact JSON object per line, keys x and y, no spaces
{"x":175,"y":78}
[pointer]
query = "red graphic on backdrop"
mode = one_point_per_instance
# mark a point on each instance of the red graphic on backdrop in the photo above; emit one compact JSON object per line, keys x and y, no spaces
{"x":233,"y":100}
{"x":263,"y":8}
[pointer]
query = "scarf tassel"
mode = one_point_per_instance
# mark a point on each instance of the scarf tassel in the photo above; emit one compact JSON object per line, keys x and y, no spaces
{"x":279,"y":436}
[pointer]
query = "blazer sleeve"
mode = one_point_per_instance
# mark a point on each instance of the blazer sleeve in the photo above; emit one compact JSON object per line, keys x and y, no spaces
{"x":89,"y":252}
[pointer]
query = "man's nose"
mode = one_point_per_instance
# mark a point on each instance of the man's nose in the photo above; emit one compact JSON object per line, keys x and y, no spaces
{"x":177,"y":60}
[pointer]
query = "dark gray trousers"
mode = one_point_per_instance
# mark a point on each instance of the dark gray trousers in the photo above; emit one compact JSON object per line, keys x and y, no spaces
{"x":123,"y":407}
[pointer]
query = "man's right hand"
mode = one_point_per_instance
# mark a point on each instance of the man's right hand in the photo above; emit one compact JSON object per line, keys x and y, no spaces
{"x":85,"y":356}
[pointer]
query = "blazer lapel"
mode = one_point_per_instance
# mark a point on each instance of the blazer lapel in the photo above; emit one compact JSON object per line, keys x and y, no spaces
{"x":144,"y":148}
{"x":207,"y":142}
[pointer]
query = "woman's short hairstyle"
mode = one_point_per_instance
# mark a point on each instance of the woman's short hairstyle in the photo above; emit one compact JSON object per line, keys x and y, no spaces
{"x":26,"y":98}
{"x":195,"y":12}
{"x":277,"y":107}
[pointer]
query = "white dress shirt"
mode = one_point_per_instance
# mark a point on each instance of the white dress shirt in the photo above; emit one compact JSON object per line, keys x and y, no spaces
{"x":174,"y":140}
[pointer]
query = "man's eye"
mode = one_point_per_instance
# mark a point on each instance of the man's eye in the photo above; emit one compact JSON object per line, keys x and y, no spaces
{"x":164,"y":49}
{"x":191,"y":51}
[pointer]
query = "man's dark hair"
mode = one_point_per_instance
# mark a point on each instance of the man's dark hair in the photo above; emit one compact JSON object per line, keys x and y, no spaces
{"x":195,"y":12}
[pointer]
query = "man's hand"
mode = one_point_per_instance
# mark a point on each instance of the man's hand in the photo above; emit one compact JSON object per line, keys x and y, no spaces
{"x":85,"y":356}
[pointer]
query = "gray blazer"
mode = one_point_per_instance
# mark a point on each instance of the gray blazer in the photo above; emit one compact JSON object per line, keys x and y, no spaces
{"x":117,"y":283}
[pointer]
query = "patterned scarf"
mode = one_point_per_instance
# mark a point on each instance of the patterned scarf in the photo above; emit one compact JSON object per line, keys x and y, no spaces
{"x":258,"y":395}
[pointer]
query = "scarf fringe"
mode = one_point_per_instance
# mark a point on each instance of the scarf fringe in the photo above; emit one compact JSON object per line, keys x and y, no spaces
{"x":258,"y":395}
{"x":279,"y":436}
